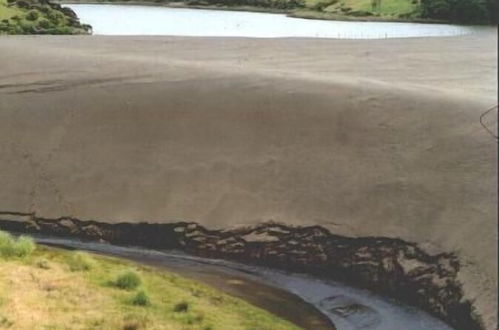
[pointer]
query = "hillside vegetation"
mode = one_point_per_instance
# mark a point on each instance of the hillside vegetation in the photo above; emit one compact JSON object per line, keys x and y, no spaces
{"x":49,"y":288}
{"x":456,"y":11}
{"x":38,"y":17}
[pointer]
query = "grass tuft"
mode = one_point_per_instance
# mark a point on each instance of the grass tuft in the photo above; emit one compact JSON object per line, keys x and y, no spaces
{"x":141,"y":298}
{"x":128,"y":280}
{"x":80,"y":261}
{"x":10,"y":247}
{"x":181,"y":307}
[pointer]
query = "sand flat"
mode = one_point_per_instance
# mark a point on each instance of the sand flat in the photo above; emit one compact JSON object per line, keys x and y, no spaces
{"x":364,"y":137}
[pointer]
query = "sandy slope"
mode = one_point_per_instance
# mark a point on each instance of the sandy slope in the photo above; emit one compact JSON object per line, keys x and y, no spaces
{"x":377,"y":137}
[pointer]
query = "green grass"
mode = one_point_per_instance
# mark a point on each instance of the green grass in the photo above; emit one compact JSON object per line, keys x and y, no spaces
{"x":128,"y":280}
{"x":141,"y":298}
{"x":80,"y":261}
{"x":11,"y":247}
{"x":386,"y":8}
{"x":41,"y":291}
{"x":8,"y":12}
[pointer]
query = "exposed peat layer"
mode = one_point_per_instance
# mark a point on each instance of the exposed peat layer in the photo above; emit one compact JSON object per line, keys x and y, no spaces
{"x":391,"y":267}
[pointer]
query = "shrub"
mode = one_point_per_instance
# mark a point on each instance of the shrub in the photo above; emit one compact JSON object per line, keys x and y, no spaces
{"x":80,"y":261}
{"x":11,"y":247}
{"x":4,"y":27}
{"x":181,"y":307}
{"x":6,"y":244}
{"x":62,"y":30}
{"x":44,"y":9}
{"x":87,"y":28}
{"x":321,"y":5}
{"x":44,"y":24}
{"x":55,"y":16}
{"x":461,"y":11}
{"x":32,"y":15}
{"x":141,"y":298}
{"x":23,"y":4}
{"x":129,"y":280}
{"x":24,"y":246}
{"x":27,"y":27}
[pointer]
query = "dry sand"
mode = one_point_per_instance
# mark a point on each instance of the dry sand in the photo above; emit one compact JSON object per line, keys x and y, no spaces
{"x":378,"y":138}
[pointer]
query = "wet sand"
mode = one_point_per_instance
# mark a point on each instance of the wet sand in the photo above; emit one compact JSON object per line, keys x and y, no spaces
{"x":364,"y":137}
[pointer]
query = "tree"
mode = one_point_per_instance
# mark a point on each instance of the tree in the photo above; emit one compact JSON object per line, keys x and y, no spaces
{"x":459,"y":11}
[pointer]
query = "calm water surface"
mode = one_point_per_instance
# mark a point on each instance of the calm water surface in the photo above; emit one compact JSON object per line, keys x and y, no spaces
{"x":148,"y":20}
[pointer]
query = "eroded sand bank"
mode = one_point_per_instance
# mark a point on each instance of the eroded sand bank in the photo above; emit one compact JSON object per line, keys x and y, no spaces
{"x":366,"y":138}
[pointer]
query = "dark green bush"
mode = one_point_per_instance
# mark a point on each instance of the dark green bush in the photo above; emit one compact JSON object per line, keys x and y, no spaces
{"x":141,"y":298}
{"x":277,"y":4}
{"x":360,"y":13}
{"x":129,"y":280}
{"x":32,"y":15}
{"x":55,"y":16}
{"x":4,"y":27}
{"x":181,"y":307}
{"x":321,"y":5}
{"x":460,"y":11}
{"x":23,"y":4}
{"x":44,"y":24}
{"x":62,"y":30}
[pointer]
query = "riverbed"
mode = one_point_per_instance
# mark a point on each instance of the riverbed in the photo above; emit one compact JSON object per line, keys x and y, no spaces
{"x":156,"y":20}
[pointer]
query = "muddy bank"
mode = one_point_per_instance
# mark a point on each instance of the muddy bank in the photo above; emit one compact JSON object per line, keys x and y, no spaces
{"x":391,"y":267}
{"x":233,"y":132}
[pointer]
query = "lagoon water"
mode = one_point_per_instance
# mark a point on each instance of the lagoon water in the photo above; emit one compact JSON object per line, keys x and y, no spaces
{"x":149,"y":20}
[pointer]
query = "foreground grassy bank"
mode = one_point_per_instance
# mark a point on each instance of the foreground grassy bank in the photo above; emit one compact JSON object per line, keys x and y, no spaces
{"x":38,"y":17}
{"x":47,"y":288}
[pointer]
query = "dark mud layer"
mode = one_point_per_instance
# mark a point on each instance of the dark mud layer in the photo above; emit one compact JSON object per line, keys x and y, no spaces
{"x":391,"y":267}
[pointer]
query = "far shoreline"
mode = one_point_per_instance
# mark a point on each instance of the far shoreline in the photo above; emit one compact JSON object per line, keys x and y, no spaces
{"x":301,"y":14}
